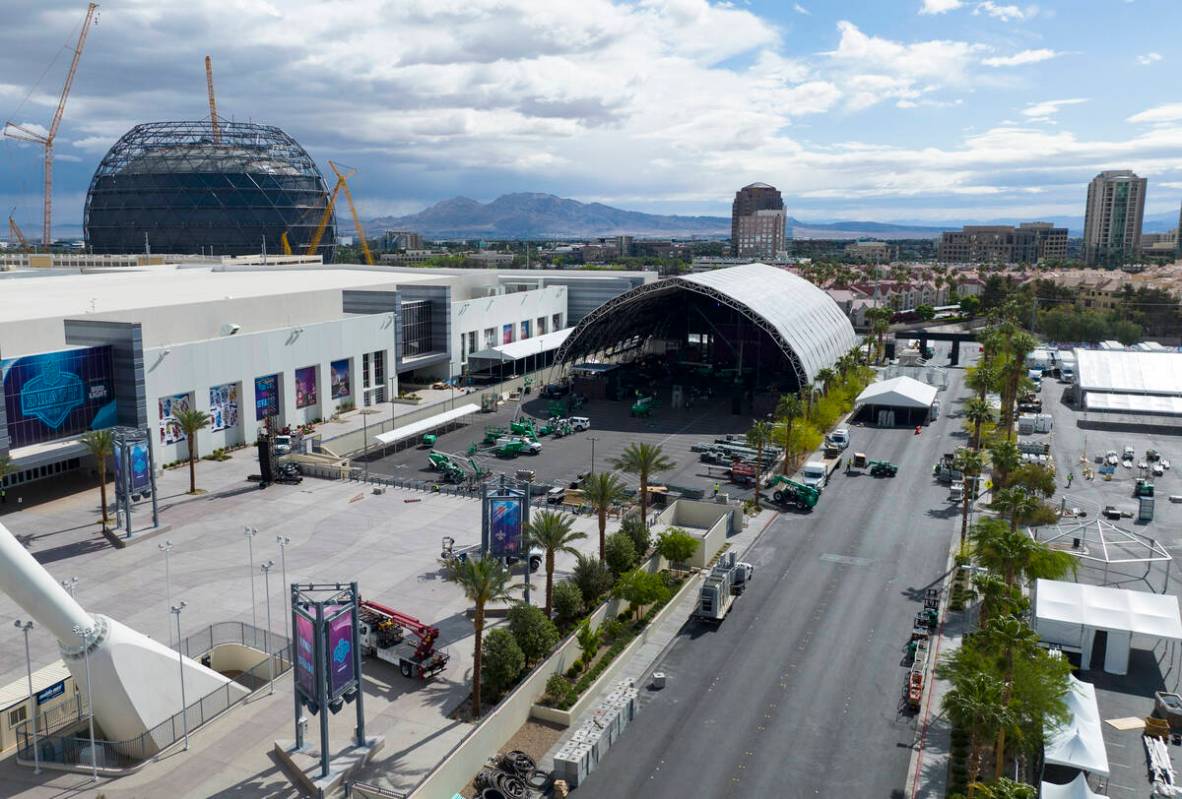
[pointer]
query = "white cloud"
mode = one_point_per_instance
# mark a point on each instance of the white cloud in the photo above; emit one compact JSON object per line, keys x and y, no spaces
{"x":1148,"y":58}
{"x":1020,"y":58}
{"x":1049,"y":108}
{"x":1169,"y":112}
{"x":799,"y":9}
{"x":1006,"y":13}
{"x":940,"y":6}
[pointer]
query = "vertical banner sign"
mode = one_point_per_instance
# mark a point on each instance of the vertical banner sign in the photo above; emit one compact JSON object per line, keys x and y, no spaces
{"x":305,"y":383}
{"x":340,"y":652}
{"x":507,"y":334}
{"x":340,"y":378}
{"x":266,"y":397}
{"x":223,"y":407}
{"x":305,"y":655}
{"x":169,"y":407}
{"x":504,"y":526}
{"x":141,"y":468}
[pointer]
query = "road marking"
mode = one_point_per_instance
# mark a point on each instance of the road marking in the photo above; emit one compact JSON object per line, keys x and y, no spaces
{"x":846,"y":560}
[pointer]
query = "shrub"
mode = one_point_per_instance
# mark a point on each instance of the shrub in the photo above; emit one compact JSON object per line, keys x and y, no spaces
{"x":676,"y":545}
{"x":503,"y":661}
{"x":619,"y":552}
{"x":575,"y":670}
{"x":559,"y":692}
{"x":535,"y":634}
{"x":593,"y":578}
{"x":611,"y":629}
{"x":568,"y":603}
{"x":589,"y":639}
{"x":641,"y":588}
{"x":634,"y":528}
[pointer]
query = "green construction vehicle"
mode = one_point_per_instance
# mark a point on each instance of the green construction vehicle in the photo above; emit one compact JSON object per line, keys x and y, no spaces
{"x":786,"y":491}
{"x":524,"y":427}
{"x":512,"y":447}
{"x":1143,"y":488}
{"x":451,"y":471}
{"x":883,"y":469}
{"x":643,"y":407}
{"x":491,"y":434}
{"x":428,"y":440}
{"x":478,"y":471}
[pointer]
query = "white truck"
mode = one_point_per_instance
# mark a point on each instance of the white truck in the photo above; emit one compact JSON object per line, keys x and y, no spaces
{"x":450,"y":552}
{"x":815,"y":475}
{"x":382,"y":632}
{"x":726,"y":580}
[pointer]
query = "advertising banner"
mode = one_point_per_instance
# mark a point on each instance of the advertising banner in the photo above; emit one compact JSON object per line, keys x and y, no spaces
{"x":170,"y":431}
{"x":224,"y":402}
{"x":504,"y":526}
{"x":141,"y":476}
{"x":507,"y":334}
{"x":305,"y":384}
{"x":524,"y":329}
{"x":57,"y":394}
{"x":266,"y":397}
{"x":340,"y":652}
{"x":340,"y":379}
{"x":305,"y":655}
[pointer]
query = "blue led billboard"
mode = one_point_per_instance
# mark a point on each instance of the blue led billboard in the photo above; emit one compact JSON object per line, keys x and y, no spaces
{"x":58,"y":394}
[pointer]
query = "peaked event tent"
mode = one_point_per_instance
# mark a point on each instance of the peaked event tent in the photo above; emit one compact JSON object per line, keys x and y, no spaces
{"x":1080,"y":742}
{"x":906,"y":399}
{"x":1076,"y":789}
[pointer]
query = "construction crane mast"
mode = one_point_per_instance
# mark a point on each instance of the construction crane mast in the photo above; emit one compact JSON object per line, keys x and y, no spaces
{"x":213,"y":106}
{"x":15,"y":234}
{"x":12,"y":130}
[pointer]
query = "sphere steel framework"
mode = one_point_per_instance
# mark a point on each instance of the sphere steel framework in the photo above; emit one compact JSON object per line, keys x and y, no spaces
{"x":172,"y":183}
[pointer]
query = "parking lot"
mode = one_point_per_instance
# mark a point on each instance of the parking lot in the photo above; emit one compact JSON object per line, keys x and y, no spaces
{"x":1154,"y":665}
{"x":563,"y":460}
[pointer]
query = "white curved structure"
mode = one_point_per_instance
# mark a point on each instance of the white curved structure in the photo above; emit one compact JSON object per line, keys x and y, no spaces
{"x":805,"y":323}
{"x":136,"y":679}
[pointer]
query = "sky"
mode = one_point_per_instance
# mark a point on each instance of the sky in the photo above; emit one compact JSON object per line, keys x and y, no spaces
{"x":933,"y":111}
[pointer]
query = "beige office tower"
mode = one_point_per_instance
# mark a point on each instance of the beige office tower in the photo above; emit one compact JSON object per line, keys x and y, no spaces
{"x":1112,"y":224}
{"x":758,"y":223}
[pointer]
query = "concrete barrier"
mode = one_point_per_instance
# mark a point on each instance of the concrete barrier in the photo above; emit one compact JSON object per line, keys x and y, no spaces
{"x":709,"y":522}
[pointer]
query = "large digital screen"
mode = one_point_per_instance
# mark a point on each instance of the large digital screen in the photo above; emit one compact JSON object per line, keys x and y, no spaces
{"x":305,"y":655}
{"x":170,"y":407}
{"x":224,"y":403}
{"x":305,"y":384}
{"x":504,"y":526}
{"x":340,"y":378}
{"x":58,"y":394}
{"x":340,"y":653}
{"x":266,"y":397}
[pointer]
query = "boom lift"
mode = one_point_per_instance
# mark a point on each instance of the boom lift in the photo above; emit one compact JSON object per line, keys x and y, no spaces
{"x":383,"y":635}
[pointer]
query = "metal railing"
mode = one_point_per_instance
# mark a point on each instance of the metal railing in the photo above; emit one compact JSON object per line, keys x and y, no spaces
{"x":62,"y":733}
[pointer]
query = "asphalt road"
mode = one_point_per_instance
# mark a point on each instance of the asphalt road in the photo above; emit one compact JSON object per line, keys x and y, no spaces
{"x":798,"y":692}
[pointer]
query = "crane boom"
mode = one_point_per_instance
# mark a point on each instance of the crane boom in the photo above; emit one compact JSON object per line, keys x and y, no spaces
{"x":356,"y":220}
{"x":213,"y":106}
{"x":15,"y":234}
{"x":314,"y":244}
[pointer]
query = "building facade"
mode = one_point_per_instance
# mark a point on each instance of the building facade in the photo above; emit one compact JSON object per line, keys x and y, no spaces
{"x":1113,"y":218}
{"x":758,"y":223}
{"x":1029,"y":243}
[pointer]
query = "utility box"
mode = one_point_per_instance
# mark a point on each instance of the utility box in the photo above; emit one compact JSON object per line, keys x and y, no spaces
{"x":1145,"y":511}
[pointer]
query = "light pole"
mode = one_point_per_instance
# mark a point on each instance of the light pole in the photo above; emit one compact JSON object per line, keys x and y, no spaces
{"x":84,"y":634}
{"x":166,"y":547}
{"x":266,"y":567}
{"x":25,"y":627}
{"x":592,"y":439}
{"x":283,"y":542}
{"x":69,"y":584}
{"x":365,"y":439}
{"x":180,"y":661}
{"x":250,"y":533}
{"x":390,"y":395}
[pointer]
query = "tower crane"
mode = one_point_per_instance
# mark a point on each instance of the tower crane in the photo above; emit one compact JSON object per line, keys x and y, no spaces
{"x":342,"y":184}
{"x":15,"y":234}
{"x":15,"y":131}
{"x":213,"y":106}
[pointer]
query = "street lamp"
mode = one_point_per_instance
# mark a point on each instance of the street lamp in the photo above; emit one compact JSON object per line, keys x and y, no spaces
{"x":180,"y":660}
{"x":25,"y":627}
{"x":592,"y":439}
{"x":283,"y":542}
{"x":365,"y":440}
{"x":166,"y":547}
{"x":85,"y":634}
{"x":250,"y":533}
{"x":266,"y":567}
{"x":69,"y":585}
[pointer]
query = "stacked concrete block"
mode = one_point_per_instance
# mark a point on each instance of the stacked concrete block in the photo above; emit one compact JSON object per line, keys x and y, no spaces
{"x":589,"y":744}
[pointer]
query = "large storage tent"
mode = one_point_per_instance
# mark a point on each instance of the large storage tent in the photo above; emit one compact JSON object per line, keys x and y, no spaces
{"x":901,"y":401}
{"x":1070,"y":614}
{"x":1078,"y":744}
{"x":1076,"y":789}
{"x":1113,"y":383}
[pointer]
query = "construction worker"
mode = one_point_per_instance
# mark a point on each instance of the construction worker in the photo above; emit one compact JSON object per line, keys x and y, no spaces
{"x":1070,"y":477}
{"x":716,"y":489}
{"x":918,"y":429}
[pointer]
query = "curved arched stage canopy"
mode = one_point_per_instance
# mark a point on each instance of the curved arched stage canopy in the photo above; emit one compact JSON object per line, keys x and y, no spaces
{"x":805,"y":323}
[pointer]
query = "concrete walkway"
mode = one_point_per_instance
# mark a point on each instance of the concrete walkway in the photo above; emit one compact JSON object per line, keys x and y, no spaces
{"x":641,"y":663}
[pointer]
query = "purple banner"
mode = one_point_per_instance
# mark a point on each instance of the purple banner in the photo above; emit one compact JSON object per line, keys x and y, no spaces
{"x":340,"y":653}
{"x":340,"y":378}
{"x":305,"y":383}
{"x":305,"y":656}
{"x":504,"y":527}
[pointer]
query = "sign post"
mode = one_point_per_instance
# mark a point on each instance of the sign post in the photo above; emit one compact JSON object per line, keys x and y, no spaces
{"x":135,"y":475}
{"x":505,"y":523}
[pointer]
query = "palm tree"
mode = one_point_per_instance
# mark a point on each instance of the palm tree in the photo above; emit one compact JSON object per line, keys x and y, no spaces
{"x":602,"y":490}
{"x":552,"y":533}
{"x":982,"y":379}
{"x":644,"y":461}
{"x":1014,"y":639}
{"x":101,"y":445}
{"x":979,"y":412}
{"x":1005,"y":457}
{"x":825,"y":376}
{"x":483,"y":580}
{"x":975,"y":704}
{"x":1017,"y":557}
{"x":970,"y":463}
{"x":882,"y":323}
{"x":1018,"y":346}
{"x":787,"y":412}
{"x":191,"y":421}
{"x":759,"y":436}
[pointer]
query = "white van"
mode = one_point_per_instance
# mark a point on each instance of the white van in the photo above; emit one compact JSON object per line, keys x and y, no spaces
{"x":813,"y":474}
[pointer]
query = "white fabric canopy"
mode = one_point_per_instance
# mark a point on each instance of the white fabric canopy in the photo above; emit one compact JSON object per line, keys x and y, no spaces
{"x":1135,"y":403}
{"x":525,"y":347}
{"x":1076,"y":789}
{"x":1130,"y":372}
{"x":1108,"y":608}
{"x":1080,"y":742}
{"x":899,"y":392}
{"x":423,"y":425}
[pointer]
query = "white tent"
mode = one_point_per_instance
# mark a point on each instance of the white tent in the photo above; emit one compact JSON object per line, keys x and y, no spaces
{"x":1080,"y":742}
{"x":1076,"y":789}
{"x":1069,"y":614}
{"x":413,"y":429}
{"x":899,"y":392}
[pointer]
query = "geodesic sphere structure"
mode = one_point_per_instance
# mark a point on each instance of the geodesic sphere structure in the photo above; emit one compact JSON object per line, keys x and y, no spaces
{"x":172,"y":188}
